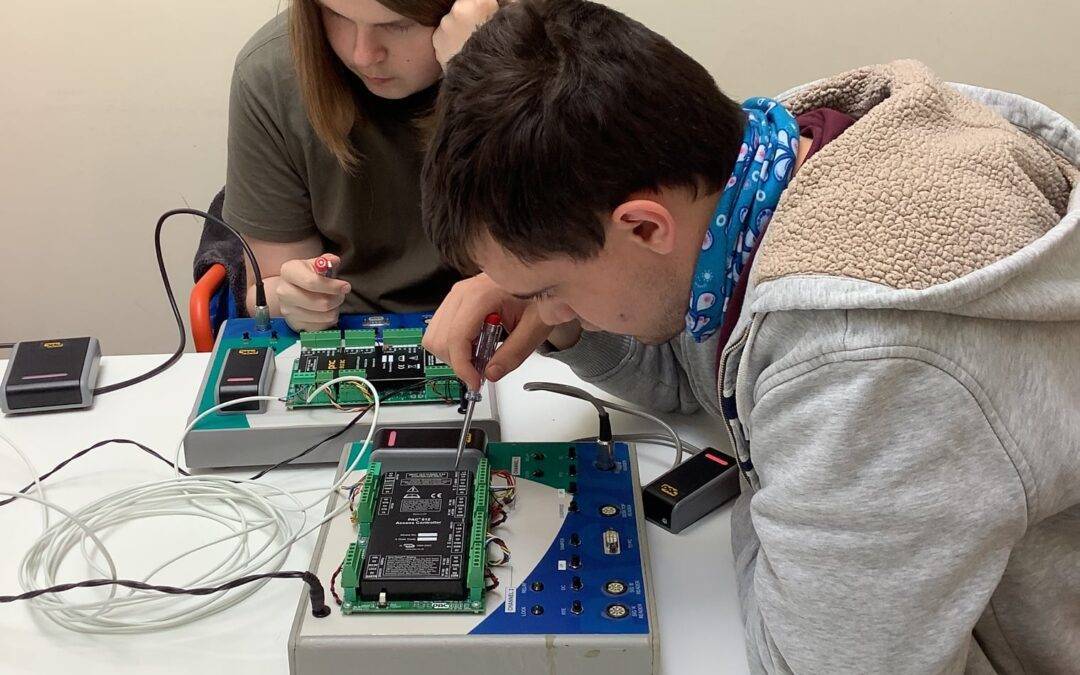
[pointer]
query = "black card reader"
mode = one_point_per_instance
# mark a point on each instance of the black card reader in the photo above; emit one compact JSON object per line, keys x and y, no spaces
{"x":47,"y":375}
{"x":247,"y":371}
{"x":692,"y":490}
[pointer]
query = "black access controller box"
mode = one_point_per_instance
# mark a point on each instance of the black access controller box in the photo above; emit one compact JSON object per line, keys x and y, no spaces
{"x":419,"y":544}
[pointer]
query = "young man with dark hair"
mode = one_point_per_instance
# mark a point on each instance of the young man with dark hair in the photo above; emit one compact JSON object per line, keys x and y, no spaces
{"x":875,"y":284}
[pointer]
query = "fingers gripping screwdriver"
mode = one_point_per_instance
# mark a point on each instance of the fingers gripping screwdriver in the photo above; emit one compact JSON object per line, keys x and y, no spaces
{"x":485,"y":349}
{"x":324,"y":267}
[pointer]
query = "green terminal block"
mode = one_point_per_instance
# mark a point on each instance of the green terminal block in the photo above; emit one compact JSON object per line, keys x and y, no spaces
{"x":402,"y":337}
{"x":351,"y":393}
{"x":440,"y":370}
{"x":302,"y":377}
{"x":350,"y":571}
{"x":365,"y":506}
{"x":478,"y":539}
{"x":359,"y":338}
{"x":322,"y":339}
{"x":321,"y":378}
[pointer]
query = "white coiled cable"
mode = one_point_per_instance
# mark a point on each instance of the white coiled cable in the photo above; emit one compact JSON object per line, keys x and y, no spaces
{"x":261,"y":521}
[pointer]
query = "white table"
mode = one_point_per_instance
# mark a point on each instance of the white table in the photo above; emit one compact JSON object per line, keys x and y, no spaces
{"x":700,"y":628}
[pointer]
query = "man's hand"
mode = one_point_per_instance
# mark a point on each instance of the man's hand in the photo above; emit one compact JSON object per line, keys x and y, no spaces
{"x":456,"y":27}
{"x":457,"y":323}
{"x":307,"y":300}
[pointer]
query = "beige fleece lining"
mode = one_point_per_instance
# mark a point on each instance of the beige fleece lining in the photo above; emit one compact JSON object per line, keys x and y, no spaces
{"x":925,"y":187}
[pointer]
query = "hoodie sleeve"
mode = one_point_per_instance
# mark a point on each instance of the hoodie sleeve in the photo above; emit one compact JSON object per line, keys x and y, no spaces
{"x":652,"y":376}
{"x":883,"y":520}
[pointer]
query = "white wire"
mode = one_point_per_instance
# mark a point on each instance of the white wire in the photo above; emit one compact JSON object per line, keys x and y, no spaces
{"x":242,"y":507}
{"x":34,"y":476}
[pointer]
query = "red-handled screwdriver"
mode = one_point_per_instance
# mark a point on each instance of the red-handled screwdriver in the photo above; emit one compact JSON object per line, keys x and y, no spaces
{"x":486,"y":343}
{"x":324,"y":267}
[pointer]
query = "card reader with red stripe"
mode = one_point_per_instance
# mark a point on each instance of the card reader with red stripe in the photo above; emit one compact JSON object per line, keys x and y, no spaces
{"x":245,"y":372}
{"x":692,"y":490}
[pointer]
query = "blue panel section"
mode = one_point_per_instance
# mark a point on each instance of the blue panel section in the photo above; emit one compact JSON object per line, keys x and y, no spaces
{"x":244,"y":328}
{"x":551,"y":589}
{"x":235,"y":328}
{"x":354,"y":321}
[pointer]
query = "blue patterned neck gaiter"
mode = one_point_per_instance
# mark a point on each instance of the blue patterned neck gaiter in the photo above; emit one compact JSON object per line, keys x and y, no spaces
{"x":762,"y":172}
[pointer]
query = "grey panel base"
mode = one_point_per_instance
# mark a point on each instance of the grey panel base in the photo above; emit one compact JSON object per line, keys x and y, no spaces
{"x":265,"y":446}
{"x":474,"y":655}
{"x":356,"y":645}
{"x":277,"y":433}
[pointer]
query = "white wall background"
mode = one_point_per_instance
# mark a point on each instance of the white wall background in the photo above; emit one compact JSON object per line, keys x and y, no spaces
{"x":114,"y":111}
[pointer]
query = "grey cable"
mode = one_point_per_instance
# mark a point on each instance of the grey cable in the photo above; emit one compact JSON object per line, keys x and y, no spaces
{"x":599,"y":403}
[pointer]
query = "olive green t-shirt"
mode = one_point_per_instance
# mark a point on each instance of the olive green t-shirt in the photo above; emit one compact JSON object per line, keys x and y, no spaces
{"x":284,"y":185}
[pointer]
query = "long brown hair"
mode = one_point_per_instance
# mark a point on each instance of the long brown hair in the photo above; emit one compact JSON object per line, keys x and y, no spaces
{"x":324,"y":79}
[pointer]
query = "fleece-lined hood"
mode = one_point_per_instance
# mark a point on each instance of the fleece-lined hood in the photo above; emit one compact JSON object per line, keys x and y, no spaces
{"x":955,"y":199}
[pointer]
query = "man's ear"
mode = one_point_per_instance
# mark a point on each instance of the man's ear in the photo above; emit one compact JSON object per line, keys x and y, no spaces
{"x":645,"y":223}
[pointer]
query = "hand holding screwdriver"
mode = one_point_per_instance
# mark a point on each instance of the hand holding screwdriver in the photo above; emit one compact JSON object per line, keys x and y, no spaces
{"x":485,"y":349}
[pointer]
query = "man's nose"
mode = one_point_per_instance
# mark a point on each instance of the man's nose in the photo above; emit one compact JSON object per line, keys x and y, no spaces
{"x":554,"y":312}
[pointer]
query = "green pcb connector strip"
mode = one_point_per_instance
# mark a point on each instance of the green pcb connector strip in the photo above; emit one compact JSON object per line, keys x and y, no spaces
{"x":350,"y":571}
{"x":360,"y":338}
{"x":402,"y":337}
{"x":322,"y":339}
{"x":369,"y":492}
{"x":477,"y":558}
{"x":478,"y":541}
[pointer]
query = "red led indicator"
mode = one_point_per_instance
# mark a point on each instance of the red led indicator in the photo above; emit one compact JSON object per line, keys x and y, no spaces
{"x":719,"y":460}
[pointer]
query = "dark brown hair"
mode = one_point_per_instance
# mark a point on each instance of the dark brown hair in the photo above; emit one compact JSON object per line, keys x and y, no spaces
{"x":324,"y":79}
{"x":552,"y":115}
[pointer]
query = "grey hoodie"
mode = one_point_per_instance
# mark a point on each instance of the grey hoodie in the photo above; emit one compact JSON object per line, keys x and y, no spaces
{"x":909,"y":436}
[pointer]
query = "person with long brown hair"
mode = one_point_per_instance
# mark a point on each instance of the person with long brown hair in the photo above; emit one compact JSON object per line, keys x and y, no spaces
{"x":325,"y":150}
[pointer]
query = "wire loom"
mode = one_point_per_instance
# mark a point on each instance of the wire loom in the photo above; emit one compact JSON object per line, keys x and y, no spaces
{"x":243,"y":507}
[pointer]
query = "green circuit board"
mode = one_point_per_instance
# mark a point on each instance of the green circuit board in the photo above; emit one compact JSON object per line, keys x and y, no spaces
{"x":372,"y":508}
{"x":392,"y":359}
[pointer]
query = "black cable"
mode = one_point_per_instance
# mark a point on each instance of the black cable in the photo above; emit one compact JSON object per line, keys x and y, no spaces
{"x":260,"y":294}
{"x":310,"y":448}
{"x":316,"y":593}
{"x":77,"y":455}
{"x":383,"y":397}
{"x":333,"y":580}
{"x":7,"y":345}
{"x":80,"y":453}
